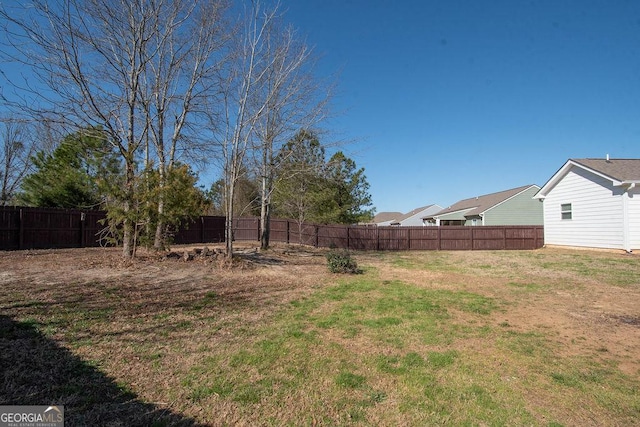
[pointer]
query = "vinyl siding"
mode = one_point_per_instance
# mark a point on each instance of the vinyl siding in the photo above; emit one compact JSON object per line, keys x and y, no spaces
{"x":521,"y":209}
{"x":634,"y":218}
{"x":597,"y":212}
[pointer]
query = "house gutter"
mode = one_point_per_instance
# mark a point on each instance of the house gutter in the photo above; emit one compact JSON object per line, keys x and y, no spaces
{"x":625,"y":214}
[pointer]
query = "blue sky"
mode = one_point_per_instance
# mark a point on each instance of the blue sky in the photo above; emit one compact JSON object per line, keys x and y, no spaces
{"x":447,"y":100}
{"x":450,"y":99}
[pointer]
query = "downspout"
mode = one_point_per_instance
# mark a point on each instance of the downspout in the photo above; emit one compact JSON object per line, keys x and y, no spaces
{"x":625,"y":218}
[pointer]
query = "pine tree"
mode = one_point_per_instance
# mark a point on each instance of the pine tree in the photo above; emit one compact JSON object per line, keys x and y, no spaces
{"x":74,"y":175}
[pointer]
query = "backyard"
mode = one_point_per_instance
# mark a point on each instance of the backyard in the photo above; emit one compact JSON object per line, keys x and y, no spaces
{"x":548,"y":337}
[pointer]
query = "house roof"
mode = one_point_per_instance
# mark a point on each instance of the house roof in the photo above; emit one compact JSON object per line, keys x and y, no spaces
{"x":386,"y":216}
{"x":414,"y":212}
{"x":480,"y":204}
{"x":618,"y":171}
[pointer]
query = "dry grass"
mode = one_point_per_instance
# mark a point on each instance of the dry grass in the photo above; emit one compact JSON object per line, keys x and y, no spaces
{"x":547,"y":337}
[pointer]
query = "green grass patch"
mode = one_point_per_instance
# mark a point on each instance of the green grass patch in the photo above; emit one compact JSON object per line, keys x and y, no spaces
{"x":350,"y":380}
{"x":312,"y":338}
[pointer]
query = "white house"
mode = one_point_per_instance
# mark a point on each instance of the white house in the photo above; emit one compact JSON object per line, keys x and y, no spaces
{"x":414,"y":218}
{"x":593,"y":203}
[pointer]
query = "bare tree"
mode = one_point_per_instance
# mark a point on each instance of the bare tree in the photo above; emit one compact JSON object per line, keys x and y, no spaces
{"x":243,"y":79}
{"x":269,"y":93}
{"x":17,"y":145}
{"x":294,"y":99}
{"x":129,"y":66}
{"x":90,"y":57}
{"x":180,"y":75}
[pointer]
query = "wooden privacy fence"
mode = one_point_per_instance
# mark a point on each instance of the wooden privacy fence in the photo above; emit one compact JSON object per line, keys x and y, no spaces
{"x":33,"y":228}
{"x":40,"y":228}
{"x":395,"y":238}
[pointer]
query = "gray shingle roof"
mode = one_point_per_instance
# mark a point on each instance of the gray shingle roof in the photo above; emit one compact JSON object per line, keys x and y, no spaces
{"x":412,"y":213}
{"x":386,"y":216}
{"x":618,"y":169}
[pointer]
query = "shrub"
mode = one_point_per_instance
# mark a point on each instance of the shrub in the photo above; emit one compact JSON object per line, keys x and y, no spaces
{"x":341,"y":262}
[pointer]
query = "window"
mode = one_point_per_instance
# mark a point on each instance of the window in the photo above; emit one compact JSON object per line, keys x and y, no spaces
{"x":565,"y":210}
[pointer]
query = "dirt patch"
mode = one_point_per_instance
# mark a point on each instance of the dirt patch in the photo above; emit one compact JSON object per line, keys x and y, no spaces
{"x":628,"y":320}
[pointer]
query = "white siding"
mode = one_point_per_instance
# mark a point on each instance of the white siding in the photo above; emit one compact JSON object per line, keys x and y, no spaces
{"x":416,"y":219}
{"x":597,"y":212}
{"x":634,"y":218}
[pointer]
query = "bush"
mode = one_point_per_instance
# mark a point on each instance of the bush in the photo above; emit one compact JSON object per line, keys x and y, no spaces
{"x":341,"y":262}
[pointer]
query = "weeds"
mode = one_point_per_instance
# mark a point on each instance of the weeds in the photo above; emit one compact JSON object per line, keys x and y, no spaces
{"x":342,"y":262}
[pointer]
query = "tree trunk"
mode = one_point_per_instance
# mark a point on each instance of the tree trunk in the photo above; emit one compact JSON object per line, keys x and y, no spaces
{"x":158,"y":240}
{"x":128,"y":223}
{"x":229,"y":219}
{"x":265,"y":225}
{"x":265,"y":209}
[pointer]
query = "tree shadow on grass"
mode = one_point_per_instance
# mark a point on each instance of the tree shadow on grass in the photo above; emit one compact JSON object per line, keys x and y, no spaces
{"x":34,"y":370}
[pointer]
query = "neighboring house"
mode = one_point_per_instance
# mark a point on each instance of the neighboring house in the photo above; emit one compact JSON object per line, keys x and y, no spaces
{"x":593,"y":203}
{"x":386,"y":218}
{"x":509,"y":207}
{"x":414,"y":218}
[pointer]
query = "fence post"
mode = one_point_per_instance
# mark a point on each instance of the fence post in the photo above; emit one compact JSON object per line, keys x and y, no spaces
{"x":317,"y":239}
{"x":535,"y":237}
{"x":377,"y":238}
{"x":83,"y":239}
{"x":21,"y":229}
{"x":439,"y":237}
{"x":202,"y":236}
{"x":348,"y":242}
{"x":472,"y":232}
{"x":504,"y":238}
{"x":288,"y":232}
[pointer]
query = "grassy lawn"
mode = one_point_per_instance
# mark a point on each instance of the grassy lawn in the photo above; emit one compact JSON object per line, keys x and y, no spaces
{"x":543,"y":338}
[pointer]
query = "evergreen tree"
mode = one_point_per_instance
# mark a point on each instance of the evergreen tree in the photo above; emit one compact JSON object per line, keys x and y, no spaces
{"x":183,"y":200}
{"x":74,"y":175}
{"x":311,"y":189}
{"x":349,"y":195}
{"x":299,"y":190}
